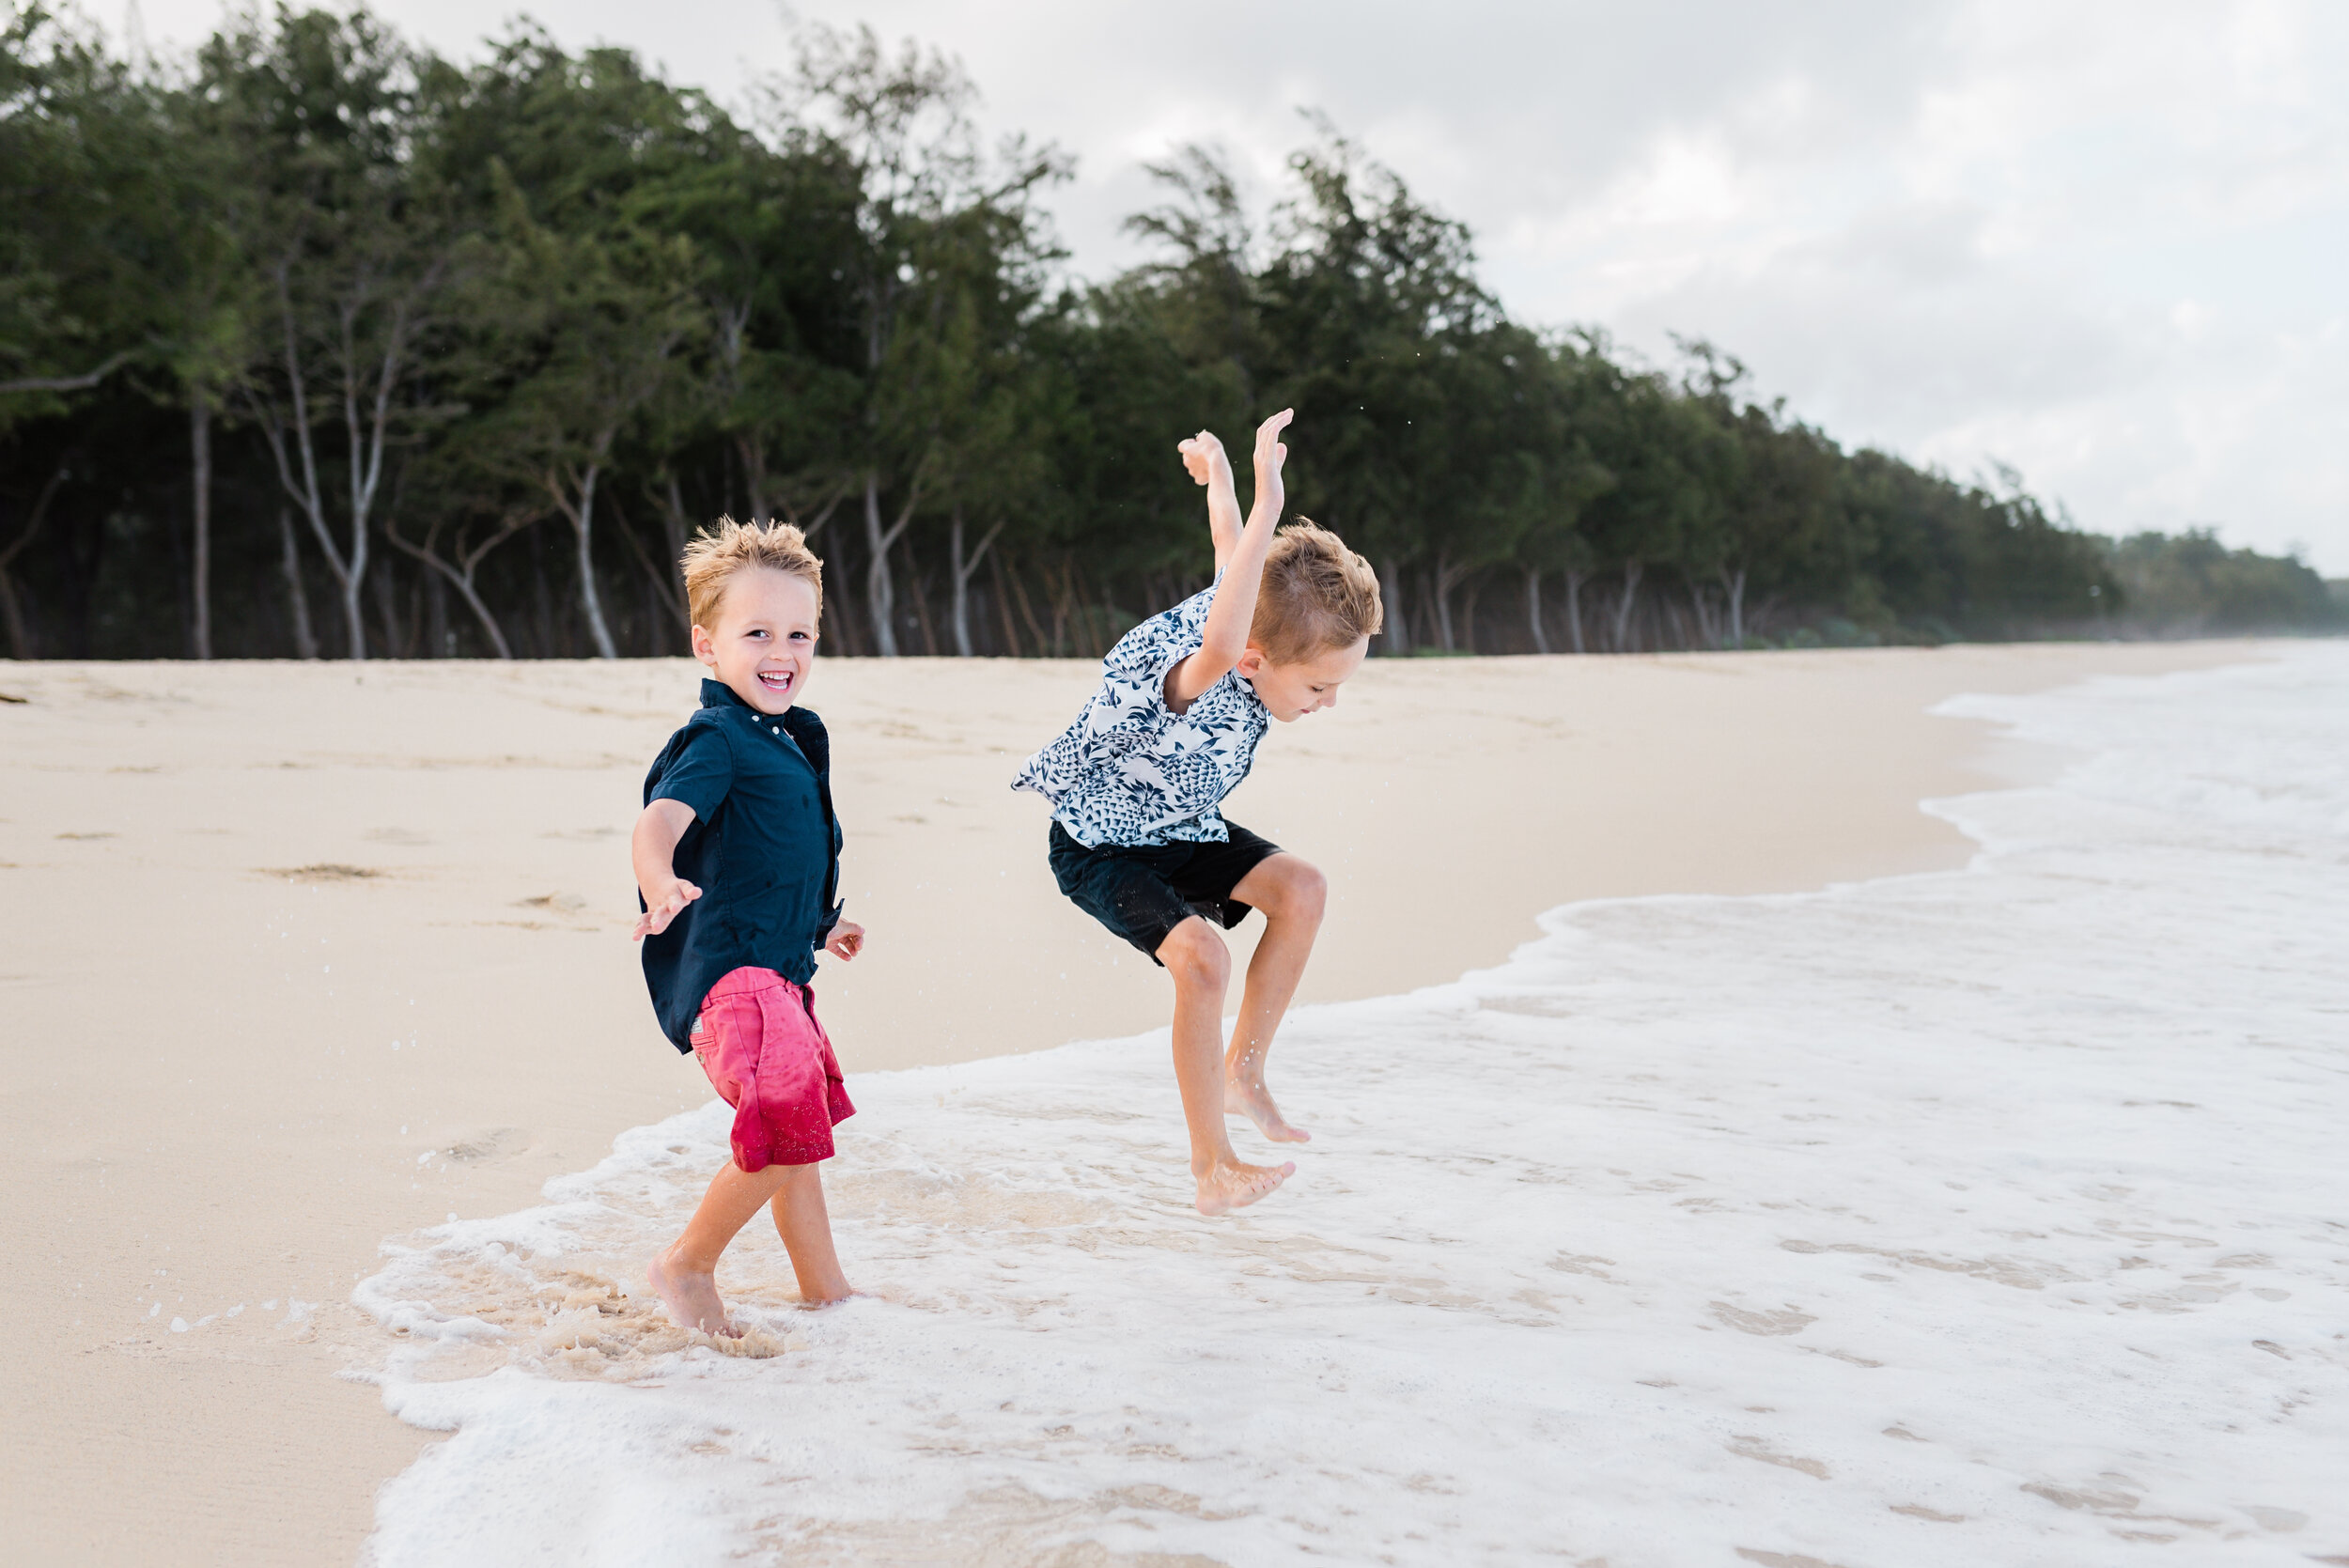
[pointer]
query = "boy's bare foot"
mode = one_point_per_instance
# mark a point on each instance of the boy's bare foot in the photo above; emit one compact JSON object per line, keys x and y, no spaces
{"x":1225,"y":1188}
{"x":691,"y":1298}
{"x":1255,"y":1103}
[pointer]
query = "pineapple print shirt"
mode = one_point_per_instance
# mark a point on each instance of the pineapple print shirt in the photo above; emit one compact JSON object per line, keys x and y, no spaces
{"x":1133,"y":771}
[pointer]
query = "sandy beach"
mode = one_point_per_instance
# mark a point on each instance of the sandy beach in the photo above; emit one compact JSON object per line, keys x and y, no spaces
{"x":305,"y":956}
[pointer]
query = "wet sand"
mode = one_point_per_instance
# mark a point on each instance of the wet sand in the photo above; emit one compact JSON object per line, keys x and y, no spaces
{"x":302,"y":956}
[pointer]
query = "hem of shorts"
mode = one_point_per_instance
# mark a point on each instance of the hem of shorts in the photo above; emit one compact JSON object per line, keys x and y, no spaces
{"x":786,"y":1157}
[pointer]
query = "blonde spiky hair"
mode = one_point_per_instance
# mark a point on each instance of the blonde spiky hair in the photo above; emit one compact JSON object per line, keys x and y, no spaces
{"x":1316,"y":596}
{"x":718,"y":553}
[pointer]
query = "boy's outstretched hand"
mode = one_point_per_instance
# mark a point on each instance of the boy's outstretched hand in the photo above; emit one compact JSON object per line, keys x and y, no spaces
{"x":1202,"y":455}
{"x":846,"y":942}
{"x":659,"y":912}
{"x":1270,"y":457}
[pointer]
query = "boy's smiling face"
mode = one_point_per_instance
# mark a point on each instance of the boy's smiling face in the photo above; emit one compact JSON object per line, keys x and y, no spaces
{"x":764,"y":644}
{"x":1290,"y":692}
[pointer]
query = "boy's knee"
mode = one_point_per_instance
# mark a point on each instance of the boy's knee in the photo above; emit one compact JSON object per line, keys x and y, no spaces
{"x":1195,"y":957}
{"x":1301,"y":892}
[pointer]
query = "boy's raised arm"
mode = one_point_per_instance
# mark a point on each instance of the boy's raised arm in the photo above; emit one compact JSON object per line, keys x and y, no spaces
{"x":1202,"y":455}
{"x":1225,"y":638}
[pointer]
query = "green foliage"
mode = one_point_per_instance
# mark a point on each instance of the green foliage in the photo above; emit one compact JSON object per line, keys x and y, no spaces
{"x":2190,"y":584}
{"x":86,"y":190}
{"x":529,"y":322}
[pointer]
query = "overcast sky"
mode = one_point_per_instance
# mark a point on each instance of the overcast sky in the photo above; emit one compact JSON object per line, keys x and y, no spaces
{"x":2103,"y":242}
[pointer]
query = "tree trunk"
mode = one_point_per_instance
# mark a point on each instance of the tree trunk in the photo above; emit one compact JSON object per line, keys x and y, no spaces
{"x":436,"y":634}
{"x":1398,"y":628}
{"x":481,"y":612}
{"x":965,"y":567}
{"x":1574,"y":609}
{"x":752,"y":451}
{"x":1709,"y":625}
{"x":19,"y":635}
{"x":880,"y":591}
{"x":200,"y":441}
{"x":959,"y":613}
{"x":1467,"y":615}
{"x":667,"y":589}
{"x":1003,"y":609}
{"x":1534,"y":609}
{"x":1448,"y":577}
{"x":673,"y":525}
{"x":354,"y":620}
{"x":11,"y":608}
{"x":305,"y":494}
{"x":298,"y":600}
{"x":387,"y":611}
{"x":880,"y":587}
{"x":1735,"y":584}
{"x":461,"y":577}
{"x":583,"y":528}
{"x":1631,"y":573}
{"x":1045,"y":648}
{"x":542,"y":624}
{"x":919,"y":582}
{"x":1064,"y":596}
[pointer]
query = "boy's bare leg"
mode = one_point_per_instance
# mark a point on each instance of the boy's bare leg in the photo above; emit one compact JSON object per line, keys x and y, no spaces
{"x":806,"y":1226}
{"x":1291,"y":894}
{"x":686,"y":1274}
{"x":1201,"y":967}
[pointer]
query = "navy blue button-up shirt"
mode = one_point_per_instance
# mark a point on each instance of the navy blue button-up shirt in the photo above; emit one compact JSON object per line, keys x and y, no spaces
{"x":764,"y":848}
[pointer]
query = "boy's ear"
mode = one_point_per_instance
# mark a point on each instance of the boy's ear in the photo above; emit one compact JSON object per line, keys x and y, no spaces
{"x":705,"y":649}
{"x":1252,"y":661}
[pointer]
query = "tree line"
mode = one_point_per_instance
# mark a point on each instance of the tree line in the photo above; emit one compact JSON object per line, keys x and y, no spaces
{"x":319,"y":345}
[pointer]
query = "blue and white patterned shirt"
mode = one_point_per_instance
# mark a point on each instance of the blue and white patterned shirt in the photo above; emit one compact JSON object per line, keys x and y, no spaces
{"x":1133,"y":771}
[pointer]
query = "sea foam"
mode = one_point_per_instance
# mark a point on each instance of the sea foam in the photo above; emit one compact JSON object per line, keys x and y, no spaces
{"x":1989,"y":1217}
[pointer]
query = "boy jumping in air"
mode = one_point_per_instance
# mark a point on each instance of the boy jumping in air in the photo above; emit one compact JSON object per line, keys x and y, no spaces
{"x":1137,"y":840}
{"x":738,"y":860}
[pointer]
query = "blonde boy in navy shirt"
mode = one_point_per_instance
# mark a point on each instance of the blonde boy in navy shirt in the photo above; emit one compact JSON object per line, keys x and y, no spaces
{"x":738,"y":866}
{"x":1138,"y":840}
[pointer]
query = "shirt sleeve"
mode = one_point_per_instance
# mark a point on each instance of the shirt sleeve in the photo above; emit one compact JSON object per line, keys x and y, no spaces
{"x":1144,"y":655}
{"x":700,"y":774}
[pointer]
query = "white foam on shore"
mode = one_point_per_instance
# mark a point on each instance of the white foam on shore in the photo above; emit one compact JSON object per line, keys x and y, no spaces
{"x":1993,"y":1216}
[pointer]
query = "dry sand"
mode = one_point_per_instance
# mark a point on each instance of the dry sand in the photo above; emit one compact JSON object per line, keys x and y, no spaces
{"x":299,"y":956}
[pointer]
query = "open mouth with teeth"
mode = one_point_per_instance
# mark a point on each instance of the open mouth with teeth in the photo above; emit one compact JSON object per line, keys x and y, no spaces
{"x":777,"y":681}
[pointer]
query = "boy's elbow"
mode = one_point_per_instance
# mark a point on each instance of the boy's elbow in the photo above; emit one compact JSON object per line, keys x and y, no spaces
{"x":663,"y":824}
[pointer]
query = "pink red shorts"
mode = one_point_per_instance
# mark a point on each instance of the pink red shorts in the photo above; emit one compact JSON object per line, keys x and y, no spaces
{"x":767,"y":1056}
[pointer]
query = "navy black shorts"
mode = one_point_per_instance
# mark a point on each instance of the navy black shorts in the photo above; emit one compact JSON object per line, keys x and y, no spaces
{"x":1143,"y":894}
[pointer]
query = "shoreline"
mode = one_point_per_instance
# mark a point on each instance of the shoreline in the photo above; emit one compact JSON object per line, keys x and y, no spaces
{"x":444,"y":847}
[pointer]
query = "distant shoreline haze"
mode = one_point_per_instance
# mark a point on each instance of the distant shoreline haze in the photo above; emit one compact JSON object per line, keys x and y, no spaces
{"x":326,"y":347}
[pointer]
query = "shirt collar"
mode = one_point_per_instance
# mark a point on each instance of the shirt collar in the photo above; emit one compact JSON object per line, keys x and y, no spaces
{"x":717,"y":693}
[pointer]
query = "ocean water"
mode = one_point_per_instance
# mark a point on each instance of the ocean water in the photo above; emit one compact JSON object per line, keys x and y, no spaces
{"x":1997,"y":1217}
